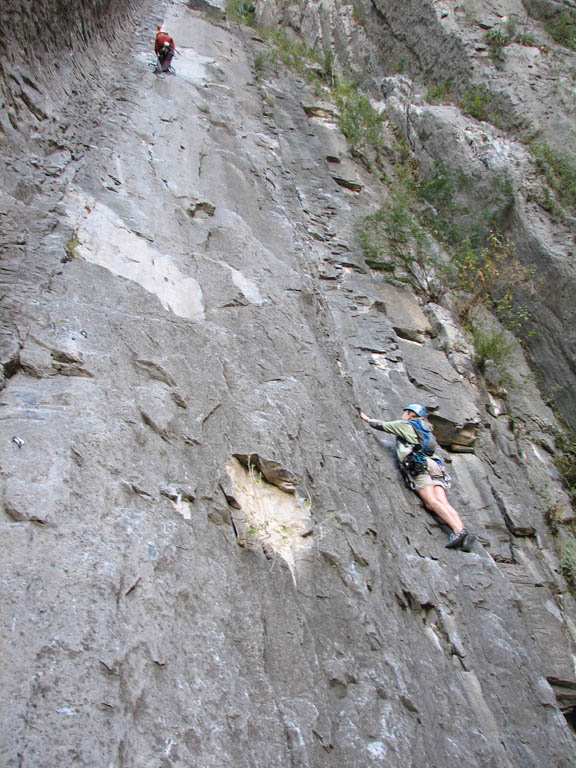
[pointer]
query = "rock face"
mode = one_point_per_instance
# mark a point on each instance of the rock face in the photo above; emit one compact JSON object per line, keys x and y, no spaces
{"x":531,"y":90}
{"x":208,"y":560}
{"x":371,"y":39}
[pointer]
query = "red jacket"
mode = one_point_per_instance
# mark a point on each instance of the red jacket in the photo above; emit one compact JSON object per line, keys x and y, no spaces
{"x":161,"y":38}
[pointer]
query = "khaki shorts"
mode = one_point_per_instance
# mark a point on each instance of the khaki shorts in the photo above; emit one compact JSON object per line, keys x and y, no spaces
{"x":433,"y":476}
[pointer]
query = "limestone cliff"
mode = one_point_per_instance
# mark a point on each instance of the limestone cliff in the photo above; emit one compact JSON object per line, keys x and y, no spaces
{"x":207,"y":560}
{"x":501,"y":57}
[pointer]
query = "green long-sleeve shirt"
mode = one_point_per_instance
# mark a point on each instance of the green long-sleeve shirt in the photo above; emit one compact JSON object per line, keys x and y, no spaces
{"x":402,"y":429}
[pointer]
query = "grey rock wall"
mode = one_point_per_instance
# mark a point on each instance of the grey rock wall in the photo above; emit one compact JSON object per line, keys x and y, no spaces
{"x":532,"y":86}
{"x":492,"y":163}
{"x":37,"y":31}
{"x":207,"y":558}
{"x":373,"y":39}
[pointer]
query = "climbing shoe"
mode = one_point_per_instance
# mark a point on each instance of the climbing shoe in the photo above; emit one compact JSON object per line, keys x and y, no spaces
{"x":457,"y":538}
{"x":468,"y":541}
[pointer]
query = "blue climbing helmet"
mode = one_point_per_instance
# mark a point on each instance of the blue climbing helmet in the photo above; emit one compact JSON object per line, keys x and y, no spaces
{"x":419,"y":410}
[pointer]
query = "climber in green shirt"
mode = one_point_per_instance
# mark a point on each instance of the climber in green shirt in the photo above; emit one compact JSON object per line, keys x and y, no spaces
{"x":415,"y":446}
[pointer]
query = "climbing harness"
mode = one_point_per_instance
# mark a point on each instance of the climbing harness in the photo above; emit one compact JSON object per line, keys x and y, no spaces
{"x":416,"y":462}
{"x":165,"y":55}
{"x":154,"y":66}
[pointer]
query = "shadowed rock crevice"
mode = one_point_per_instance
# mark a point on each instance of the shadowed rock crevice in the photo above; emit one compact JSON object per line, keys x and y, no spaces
{"x":271,"y":471}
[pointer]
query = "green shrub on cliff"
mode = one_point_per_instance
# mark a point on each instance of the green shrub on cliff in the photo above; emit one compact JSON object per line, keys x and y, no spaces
{"x":490,"y":275}
{"x":440,"y":93}
{"x":490,"y":345}
{"x":497,"y":40}
{"x":265,"y":63}
{"x":291,"y":52}
{"x":241,"y":10}
{"x":558,"y":170}
{"x":482,"y":268}
{"x":560,"y":522}
{"x":565,"y":460}
{"x":394,"y":242}
{"x":360,"y":122}
{"x":71,"y":248}
{"x":562,"y":28}
{"x":568,"y":561}
{"x":283,"y":48}
{"x":450,"y":215}
{"x":480,"y":102}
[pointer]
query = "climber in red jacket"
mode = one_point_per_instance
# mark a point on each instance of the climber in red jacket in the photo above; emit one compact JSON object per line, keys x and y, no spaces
{"x":164,"y":48}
